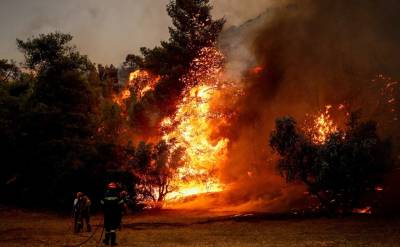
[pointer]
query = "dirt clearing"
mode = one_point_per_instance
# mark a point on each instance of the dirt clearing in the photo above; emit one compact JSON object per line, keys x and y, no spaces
{"x":194,"y":228}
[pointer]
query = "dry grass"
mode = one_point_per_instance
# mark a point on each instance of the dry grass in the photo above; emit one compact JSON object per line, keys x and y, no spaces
{"x":182,"y":228}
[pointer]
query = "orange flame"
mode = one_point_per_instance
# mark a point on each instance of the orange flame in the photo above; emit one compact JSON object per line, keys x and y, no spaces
{"x":366,"y":210}
{"x":142,"y":82}
{"x":192,"y":128}
{"x":322,"y":127}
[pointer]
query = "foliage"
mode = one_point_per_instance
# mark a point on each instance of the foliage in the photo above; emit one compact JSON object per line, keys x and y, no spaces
{"x":155,"y":166}
{"x":49,"y":121}
{"x":50,"y":50}
{"x":60,"y":130}
{"x":341,"y":170}
{"x":9,"y":71}
{"x":193,"y":29}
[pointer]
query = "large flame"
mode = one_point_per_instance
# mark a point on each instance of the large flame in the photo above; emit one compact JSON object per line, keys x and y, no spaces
{"x":192,"y":126}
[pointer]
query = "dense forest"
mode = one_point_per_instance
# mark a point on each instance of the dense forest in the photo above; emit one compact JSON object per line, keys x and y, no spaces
{"x":62,"y":132}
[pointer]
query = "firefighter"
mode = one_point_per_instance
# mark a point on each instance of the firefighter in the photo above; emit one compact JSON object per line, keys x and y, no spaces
{"x":81,"y":212}
{"x":112,"y":208}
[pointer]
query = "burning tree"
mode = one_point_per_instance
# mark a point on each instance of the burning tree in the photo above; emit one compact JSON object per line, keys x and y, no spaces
{"x":338,"y":170}
{"x":193,"y":29}
{"x":155,"y":166}
{"x":168,"y":96}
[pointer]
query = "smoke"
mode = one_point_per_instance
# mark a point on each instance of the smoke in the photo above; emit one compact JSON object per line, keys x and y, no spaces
{"x":313,"y":53}
{"x":104,"y":30}
{"x":237,"y":12}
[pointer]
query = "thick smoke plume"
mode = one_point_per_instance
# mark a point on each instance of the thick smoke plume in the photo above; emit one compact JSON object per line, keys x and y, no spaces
{"x":313,"y":53}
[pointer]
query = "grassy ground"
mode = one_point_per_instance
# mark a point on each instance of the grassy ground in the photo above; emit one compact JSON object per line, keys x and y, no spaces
{"x":183,"y":228}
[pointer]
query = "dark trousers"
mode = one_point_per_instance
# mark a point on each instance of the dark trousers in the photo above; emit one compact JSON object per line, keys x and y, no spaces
{"x":110,"y":225}
{"x":80,"y":219}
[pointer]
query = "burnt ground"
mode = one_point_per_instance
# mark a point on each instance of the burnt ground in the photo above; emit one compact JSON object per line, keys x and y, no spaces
{"x":195,"y":228}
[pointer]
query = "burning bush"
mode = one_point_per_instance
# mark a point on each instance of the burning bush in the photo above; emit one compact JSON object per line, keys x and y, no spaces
{"x":337,"y":171}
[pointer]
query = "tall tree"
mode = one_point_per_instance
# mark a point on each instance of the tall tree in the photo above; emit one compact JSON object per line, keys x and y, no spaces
{"x":193,"y":29}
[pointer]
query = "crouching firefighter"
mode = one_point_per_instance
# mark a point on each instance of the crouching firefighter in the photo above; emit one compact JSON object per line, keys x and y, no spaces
{"x":112,"y":208}
{"x":81,"y":212}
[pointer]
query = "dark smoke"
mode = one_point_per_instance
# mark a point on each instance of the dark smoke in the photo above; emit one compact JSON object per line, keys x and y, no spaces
{"x":314,"y":53}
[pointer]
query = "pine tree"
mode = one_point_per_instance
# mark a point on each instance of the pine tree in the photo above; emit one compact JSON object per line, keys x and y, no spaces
{"x":193,"y":29}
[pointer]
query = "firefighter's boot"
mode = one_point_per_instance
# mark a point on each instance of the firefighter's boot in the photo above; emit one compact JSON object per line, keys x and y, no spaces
{"x":106,"y":240}
{"x":113,"y":238}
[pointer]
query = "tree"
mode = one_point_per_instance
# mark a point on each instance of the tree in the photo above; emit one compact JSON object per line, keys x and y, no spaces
{"x":155,"y":168}
{"x":8,"y":71}
{"x":13,"y":96}
{"x":58,"y":122}
{"x":193,"y":29}
{"x":133,"y":62}
{"x":53,"y":49}
{"x":109,"y":79}
{"x":59,"y":129}
{"x":341,"y":170}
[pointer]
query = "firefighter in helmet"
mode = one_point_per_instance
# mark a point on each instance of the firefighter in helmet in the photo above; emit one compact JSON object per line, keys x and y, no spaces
{"x":81,"y":212}
{"x":112,"y":208}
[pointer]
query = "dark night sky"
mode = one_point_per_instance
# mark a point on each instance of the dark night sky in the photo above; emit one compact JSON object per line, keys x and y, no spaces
{"x":103,"y":29}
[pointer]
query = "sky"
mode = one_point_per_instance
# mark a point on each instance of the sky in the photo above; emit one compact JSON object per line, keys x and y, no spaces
{"x":104,"y":30}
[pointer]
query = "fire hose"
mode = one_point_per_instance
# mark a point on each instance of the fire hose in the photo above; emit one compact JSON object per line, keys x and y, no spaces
{"x":90,"y":237}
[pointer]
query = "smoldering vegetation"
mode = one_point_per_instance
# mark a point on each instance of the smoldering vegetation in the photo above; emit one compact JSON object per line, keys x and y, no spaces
{"x":312,"y":54}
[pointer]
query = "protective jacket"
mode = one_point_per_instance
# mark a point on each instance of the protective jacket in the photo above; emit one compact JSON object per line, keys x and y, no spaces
{"x":112,"y":208}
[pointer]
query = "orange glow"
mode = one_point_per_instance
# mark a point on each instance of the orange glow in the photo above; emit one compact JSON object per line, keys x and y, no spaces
{"x":322,"y":127}
{"x":124,"y":95}
{"x":366,"y":210}
{"x":137,"y":74}
{"x":191,"y":129}
{"x":142,"y":82}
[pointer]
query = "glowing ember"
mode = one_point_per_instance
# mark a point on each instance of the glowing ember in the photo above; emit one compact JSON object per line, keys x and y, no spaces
{"x":191,"y":129}
{"x":322,"y":127}
{"x":389,"y":92}
{"x":141,"y":82}
{"x":120,"y":99}
{"x":366,"y":210}
{"x":136,"y":74}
